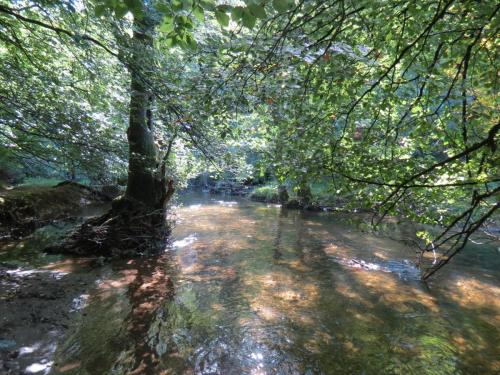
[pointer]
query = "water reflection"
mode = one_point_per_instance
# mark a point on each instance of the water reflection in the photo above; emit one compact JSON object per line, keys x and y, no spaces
{"x":261,"y":290}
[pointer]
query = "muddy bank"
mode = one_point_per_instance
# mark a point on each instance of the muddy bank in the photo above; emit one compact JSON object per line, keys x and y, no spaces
{"x":54,"y":308}
{"x":26,"y":208}
{"x":37,"y":306}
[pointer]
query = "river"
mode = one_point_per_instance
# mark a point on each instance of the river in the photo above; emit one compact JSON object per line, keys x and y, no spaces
{"x":249,"y":288}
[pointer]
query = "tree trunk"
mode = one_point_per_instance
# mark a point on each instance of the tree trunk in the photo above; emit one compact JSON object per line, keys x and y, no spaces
{"x":136,"y":223}
{"x":146,"y":173}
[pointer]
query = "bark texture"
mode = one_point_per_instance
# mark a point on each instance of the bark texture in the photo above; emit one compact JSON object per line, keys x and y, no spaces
{"x":147,"y":182}
{"x":136,"y":223}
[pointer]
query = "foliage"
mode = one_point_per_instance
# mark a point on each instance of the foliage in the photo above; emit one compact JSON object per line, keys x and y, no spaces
{"x":392,"y":100}
{"x":59,"y":110}
{"x":266,"y":193}
{"x":389,"y":104}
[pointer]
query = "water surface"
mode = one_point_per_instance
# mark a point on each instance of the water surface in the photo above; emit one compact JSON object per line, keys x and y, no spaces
{"x":264,"y":290}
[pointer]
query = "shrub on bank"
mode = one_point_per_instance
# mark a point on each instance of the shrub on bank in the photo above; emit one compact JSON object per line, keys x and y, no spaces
{"x":266,"y":193}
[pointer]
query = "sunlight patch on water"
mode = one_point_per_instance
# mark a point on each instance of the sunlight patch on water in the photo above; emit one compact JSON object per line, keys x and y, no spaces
{"x":227,"y":204}
{"x":469,"y":292}
{"x":189,"y":240}
{"x":36,"y":368}
{"x":404,"y":269}
{"x":259,"y":359}
{"x":28,"y":349}
{"x":79,"y":302}
{"x":25,"y":273}
{"x":44,"y":365}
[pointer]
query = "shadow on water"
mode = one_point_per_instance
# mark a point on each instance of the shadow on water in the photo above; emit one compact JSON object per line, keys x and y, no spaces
{"x":115,"y":334}
{"x":261,"y":290}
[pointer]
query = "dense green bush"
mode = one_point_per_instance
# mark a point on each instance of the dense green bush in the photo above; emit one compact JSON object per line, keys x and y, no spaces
{"x":266,"y":193}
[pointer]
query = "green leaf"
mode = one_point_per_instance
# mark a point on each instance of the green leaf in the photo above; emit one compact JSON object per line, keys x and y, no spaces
{"x":100,"y":9}
{"x":222,"y":18}
{"x":237,"y":13}
{"x":184,"y":22}
{"x":177,"y":5}
{"x":187,"y":4}
{"x":248,"y":19}
{"x":135,"y":6}
{"x":199,"y":13}
{"x":257,"y":10}
{"x":167,"y":25}
{"x":191,"y":42}
{"x":175,"y":41}
{"x":283,"y":5}
{"x":208,"y":5}
{"x":224,"y":8}
{"x":170,"y":42}
{"x":163,"y":8}
{"x":120,"y":11}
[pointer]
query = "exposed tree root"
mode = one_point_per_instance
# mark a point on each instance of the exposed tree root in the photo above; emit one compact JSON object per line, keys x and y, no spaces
{"x":130,"y":228}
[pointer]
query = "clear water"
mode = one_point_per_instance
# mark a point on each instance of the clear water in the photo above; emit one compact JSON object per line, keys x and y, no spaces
{"x":262,"y":290}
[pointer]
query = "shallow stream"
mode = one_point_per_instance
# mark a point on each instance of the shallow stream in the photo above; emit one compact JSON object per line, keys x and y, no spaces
{"x":262,"y":290}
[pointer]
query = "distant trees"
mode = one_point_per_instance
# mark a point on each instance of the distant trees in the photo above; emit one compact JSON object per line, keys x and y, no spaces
{"x":58,"y":112}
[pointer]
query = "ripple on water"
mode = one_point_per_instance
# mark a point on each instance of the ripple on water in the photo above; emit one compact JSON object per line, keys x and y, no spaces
{"x":404,"y":269}
{"x":264,"y":290}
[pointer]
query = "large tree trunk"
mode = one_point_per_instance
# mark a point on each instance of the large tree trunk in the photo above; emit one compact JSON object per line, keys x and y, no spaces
{"x":136,"y":223}
{"x":146,"y":174}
